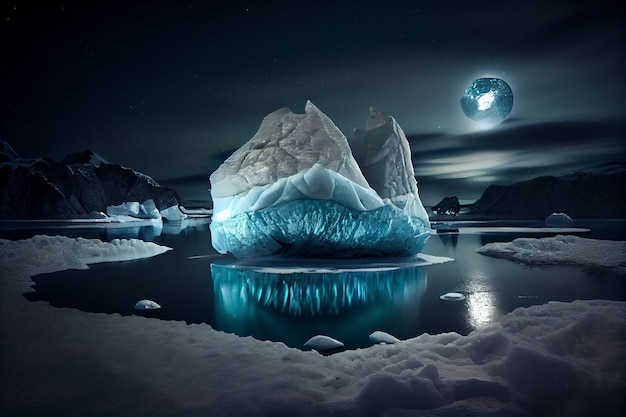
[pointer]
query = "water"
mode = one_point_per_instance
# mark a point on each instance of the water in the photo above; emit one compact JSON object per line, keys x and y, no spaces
{"x":195,"y":284}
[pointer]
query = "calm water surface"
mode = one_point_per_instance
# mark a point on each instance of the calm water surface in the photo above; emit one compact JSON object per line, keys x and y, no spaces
{"x":194,"y":284}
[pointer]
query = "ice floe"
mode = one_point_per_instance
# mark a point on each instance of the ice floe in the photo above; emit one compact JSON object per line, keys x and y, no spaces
{"x":570,"y":250}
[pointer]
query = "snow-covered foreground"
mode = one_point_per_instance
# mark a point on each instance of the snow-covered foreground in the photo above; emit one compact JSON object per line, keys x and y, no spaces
{"x":560,"y":249}
{"x":554,"y":359}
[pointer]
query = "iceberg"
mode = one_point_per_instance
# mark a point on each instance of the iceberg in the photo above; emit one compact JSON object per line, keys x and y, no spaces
{"x":135,"y":211}
{"x":296,"y":188}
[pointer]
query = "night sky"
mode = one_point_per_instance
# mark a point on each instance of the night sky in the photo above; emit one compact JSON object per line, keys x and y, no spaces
{"x":170,"y":88}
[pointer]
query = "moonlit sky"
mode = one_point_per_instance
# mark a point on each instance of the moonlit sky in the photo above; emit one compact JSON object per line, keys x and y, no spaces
{"x":170,"y":88}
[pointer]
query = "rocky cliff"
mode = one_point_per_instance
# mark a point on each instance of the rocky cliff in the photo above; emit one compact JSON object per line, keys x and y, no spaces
{"x":582,"y":195}
{"x":82,"y":186}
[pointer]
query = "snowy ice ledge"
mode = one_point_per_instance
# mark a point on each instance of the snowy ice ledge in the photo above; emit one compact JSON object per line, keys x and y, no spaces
{"x":568,"y":250}
{"x":296,"y":188}
{"x":57,"y":253}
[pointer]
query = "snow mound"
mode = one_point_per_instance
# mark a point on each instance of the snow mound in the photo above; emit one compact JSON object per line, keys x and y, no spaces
{"x":571,"y":250}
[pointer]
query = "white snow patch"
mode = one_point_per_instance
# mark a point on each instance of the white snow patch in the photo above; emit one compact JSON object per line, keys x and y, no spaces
{"x":572,"y":250}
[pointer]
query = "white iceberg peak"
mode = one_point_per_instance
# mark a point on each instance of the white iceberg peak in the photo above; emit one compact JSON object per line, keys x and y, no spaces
{"x":286,"y":144}
{"x":384,"y":156}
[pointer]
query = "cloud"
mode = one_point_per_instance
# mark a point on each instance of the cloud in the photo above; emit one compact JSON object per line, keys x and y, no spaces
{"x":468,"y":165}
{"x":464,"y":165}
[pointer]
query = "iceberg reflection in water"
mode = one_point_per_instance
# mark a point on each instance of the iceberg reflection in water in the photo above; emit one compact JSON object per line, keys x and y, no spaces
{"x":269,"y":298}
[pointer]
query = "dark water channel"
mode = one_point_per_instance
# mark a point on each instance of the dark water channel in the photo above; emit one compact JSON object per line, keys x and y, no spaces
{"x":194,"y":284}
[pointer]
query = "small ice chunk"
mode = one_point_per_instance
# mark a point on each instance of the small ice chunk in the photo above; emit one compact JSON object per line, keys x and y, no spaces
{"x":452,"y":296}
{"x":559,"y":220}
{"x":125,"y":209}
{"x":173,"y":214}
{"x":383,"y":337}
{"x":146,"y":305}
{"x":149,"y":210}
{"x":295,"y":188}
{"x":321,"y":342}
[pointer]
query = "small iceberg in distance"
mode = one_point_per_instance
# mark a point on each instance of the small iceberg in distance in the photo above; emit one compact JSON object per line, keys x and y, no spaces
{"x":559,"y":220}
{"x":147,"y":305}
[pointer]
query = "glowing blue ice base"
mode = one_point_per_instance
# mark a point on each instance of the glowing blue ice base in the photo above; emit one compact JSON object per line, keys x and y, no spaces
{"x":275,"y":303}
{"x":320,"y":228}
{"x":313,"y":294}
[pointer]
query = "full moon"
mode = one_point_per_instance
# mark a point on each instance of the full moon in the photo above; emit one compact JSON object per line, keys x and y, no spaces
{"x":488,"y":100}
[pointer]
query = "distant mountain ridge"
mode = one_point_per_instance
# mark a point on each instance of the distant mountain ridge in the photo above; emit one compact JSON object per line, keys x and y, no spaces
{"x":82,"y":186}
{"x":595,"y":193}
